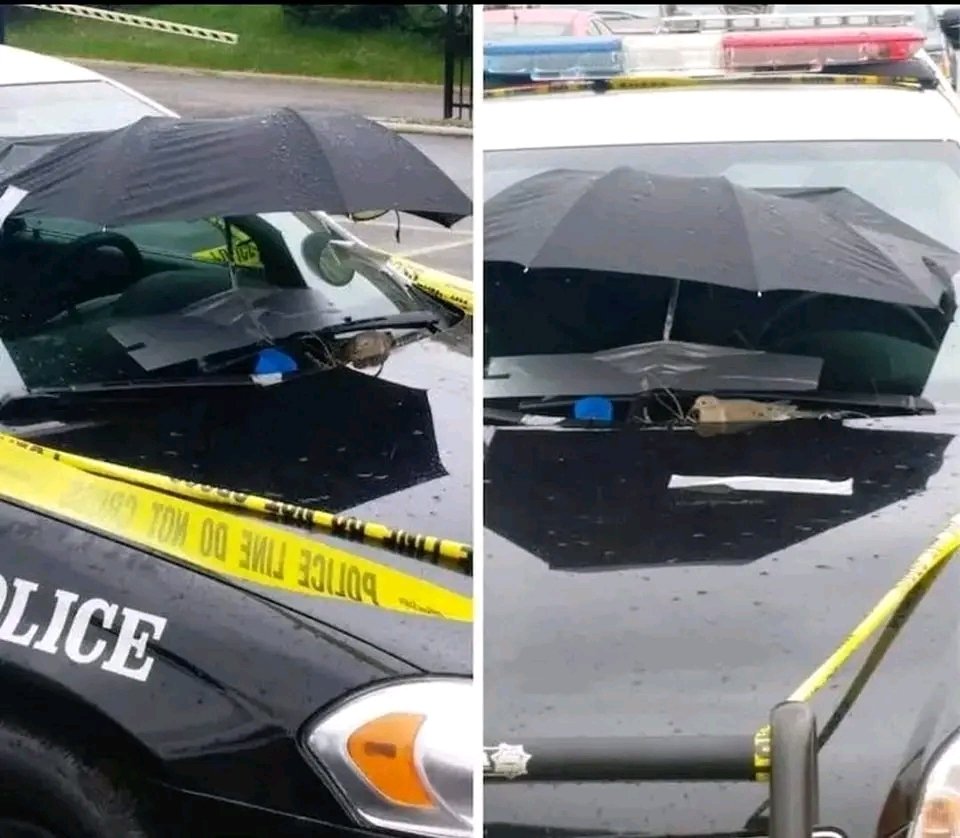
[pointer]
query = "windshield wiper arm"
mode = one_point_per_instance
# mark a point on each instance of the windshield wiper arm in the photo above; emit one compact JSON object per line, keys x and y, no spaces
{"x":404,"y":320}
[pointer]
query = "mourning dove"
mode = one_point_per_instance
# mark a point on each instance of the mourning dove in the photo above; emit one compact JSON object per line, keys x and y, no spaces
{"x":712,"y":416}
{"x":367,"y":349}
{"x":709,"y":410}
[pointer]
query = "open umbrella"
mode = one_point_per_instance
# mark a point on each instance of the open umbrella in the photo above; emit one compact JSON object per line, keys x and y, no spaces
{"x":284,"y":160}
{"x":710,"y":230}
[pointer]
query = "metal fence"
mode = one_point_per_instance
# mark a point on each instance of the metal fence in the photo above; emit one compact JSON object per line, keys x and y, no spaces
{"x":458,"y":63}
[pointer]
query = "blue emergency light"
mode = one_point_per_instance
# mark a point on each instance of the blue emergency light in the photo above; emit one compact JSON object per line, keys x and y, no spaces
{"x":513,"y":61}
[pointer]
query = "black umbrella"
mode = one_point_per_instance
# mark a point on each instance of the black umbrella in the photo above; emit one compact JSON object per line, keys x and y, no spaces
{"x":284,"y":160}
{"x":707,"y":229}
{"x":18,"y":152}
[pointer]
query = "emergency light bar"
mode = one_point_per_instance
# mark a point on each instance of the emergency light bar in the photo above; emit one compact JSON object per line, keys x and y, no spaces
{"x":817,"y":48}
{"x":720,"y":46}
{"x":726,"y":23}
{"x":554,"y":58}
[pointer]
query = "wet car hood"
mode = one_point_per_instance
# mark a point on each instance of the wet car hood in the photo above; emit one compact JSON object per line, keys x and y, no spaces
{"x":630,"y":592}
{"x":393,"y":449}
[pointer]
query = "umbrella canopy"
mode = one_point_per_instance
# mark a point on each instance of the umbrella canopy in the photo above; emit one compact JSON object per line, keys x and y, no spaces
{"x":164,"y":168}
{"x":710,"y":230}
{"x":18,"y":152}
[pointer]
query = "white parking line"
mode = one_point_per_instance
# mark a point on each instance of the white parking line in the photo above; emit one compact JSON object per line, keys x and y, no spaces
{"x":423,"y":228}
{"x":433,"y":248}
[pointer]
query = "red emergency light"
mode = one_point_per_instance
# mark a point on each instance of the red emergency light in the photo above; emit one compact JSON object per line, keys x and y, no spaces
{"x":819,"y":48}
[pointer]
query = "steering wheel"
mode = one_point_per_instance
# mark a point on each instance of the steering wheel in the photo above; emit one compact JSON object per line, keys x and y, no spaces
{"x":64,"y":283}
{"x":917,"y":324}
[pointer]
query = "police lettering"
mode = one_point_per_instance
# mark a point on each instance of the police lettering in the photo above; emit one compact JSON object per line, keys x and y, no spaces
{"x":213,"y":539}
{"x":290,"y":513}
{"x":324,"y":574}
{"x":224,"y":495}
{"x":169,"y":525}
{"x":262,"y":554}
{"x":86,"y":632}
{"x":107,"y":506}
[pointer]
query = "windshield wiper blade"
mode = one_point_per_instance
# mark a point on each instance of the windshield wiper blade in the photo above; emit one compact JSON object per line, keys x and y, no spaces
{"x":404,"y":320}
{"x":114,"y":390}
{"x":860,"y":402}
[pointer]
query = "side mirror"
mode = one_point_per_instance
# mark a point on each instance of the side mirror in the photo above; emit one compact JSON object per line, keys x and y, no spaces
{"x":329,"y":262}
{"x":950,"y":26}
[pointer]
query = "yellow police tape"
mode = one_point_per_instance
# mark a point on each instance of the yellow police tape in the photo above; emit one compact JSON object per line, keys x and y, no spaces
{"x":218,"y":541}
{"x":451,"y":554}
{"x":660,"y":82}
{"x":942,"y":548}
{"x":449,"y":288}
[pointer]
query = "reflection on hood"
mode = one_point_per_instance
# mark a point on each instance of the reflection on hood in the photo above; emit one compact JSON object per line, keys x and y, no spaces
{"x":592,"y":501}
{"x":334,"y":440}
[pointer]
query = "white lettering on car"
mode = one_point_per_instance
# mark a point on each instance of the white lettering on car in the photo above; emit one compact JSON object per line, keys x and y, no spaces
{"x":132,"y":646}
{"x":22,"y":591}
{"x":122,"y":649}
{"x":81,"y":625}
{"x":58,"y":622}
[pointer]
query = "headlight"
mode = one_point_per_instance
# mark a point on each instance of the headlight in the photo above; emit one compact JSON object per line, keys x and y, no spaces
{"x":939,"y":813}
{"x":402,"y":756}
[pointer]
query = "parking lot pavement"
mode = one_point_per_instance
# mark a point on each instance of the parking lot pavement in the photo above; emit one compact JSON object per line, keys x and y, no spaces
{"x":431,"y":244}
{"x":197,"y":94}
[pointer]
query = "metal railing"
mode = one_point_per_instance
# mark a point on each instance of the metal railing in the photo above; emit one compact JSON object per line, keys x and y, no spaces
{"x":457,"y":63}
{"x":790,"y":762}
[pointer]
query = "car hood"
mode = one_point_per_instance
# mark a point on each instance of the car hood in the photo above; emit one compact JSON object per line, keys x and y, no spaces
{"x":394,"y":449}
{"x":629,"y":593}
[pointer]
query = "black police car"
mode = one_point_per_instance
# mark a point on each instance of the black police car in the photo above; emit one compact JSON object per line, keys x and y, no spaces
{"x":657,"y":588}
{"x":141,"y":696}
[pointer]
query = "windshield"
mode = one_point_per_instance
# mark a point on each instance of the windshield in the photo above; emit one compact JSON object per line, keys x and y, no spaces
{"x":147,"y":303}
{"x":67,"y":108}
{"x":868,"y":346}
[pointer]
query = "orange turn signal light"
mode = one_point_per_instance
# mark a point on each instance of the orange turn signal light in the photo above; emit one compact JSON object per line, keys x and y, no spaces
{"x":383,"y":752}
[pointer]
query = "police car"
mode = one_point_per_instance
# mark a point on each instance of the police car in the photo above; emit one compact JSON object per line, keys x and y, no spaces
{"x":182,"y":652}
{"x":652,"y":593}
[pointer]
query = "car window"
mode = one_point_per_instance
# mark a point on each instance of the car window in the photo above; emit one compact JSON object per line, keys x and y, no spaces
{"x":94,"y":316}
{"x":203,"y":240}
{"x":67,"y":108}
{"x":917,"y":182}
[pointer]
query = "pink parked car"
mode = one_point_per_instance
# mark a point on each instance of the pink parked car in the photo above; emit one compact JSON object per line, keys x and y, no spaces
{"x":527,"y":24}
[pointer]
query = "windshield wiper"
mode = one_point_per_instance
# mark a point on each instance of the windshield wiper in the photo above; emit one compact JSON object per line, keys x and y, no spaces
{"x":419,"y":319}
{"x":120,"y":391}
{"x":860,"y":402}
